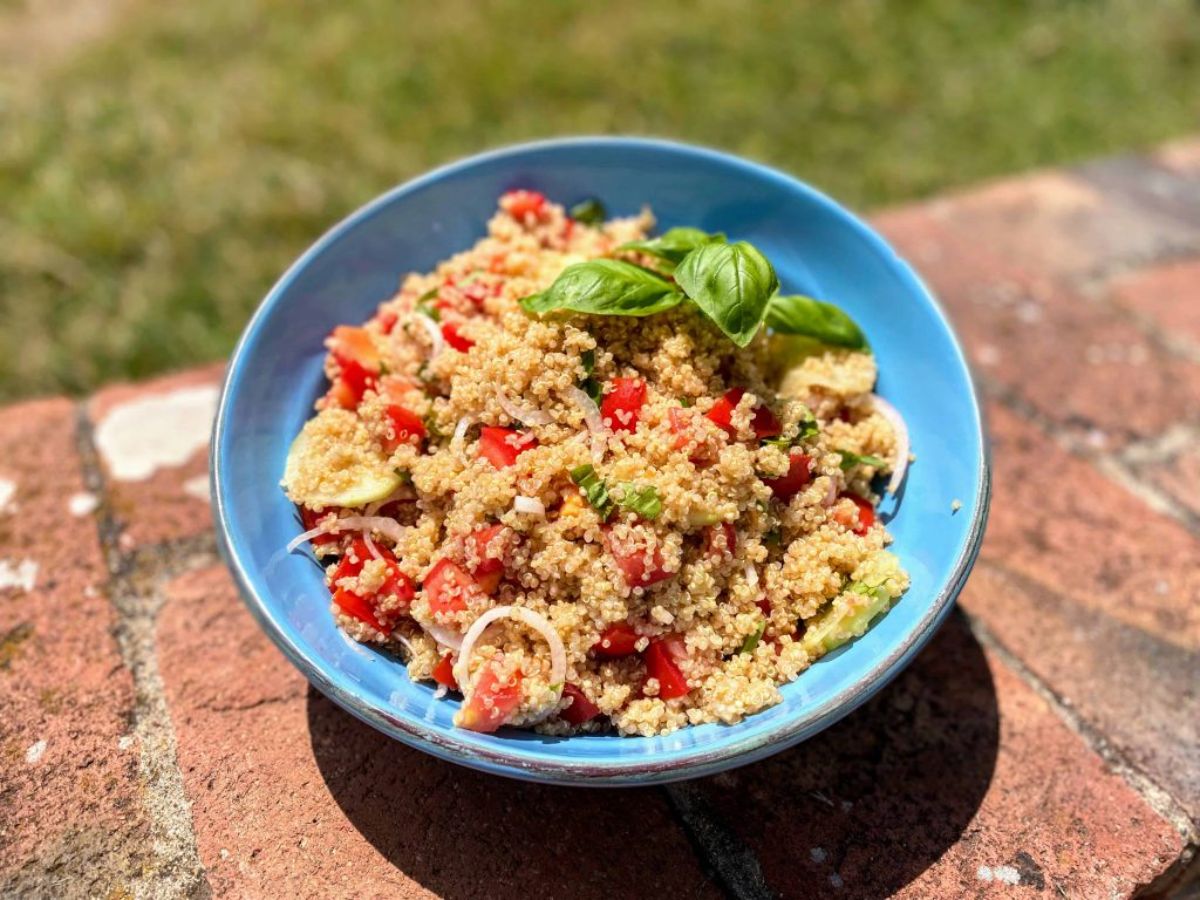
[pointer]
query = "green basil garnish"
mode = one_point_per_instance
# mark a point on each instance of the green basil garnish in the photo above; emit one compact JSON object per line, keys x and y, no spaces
{"x":590,"y":385}
{"x":588,"y":360}
{"x":673,"y":245}
{"x":731,"y":283}
{"x":606,"y":287}
{"x":594,"y":489}
{"x":824,"y":322}
{"x":687,"y":402}
{"x":752,"y":639}
{"x":590,"y":212}
{"x":644,"y":501}
{"x":850,"y":460}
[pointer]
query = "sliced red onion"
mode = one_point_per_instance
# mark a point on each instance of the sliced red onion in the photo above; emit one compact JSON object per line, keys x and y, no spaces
{"x":751,"y":575}
{"x":523,"y":414}
{"x":405,"y":643}
{"x":435,"y":334}
{"x":441,"y":692}
{"x":371,"y":548}
{"x":445,"y":636}
{"x":831,"y":493}
{"x":900,"y":466}
{"x":307,"y":536}
{"x":389,"y":528}
{"x":460,"y":430}
{"x":536,"y":621}
{"x":592,"y":419}
{"x":530,"y":505}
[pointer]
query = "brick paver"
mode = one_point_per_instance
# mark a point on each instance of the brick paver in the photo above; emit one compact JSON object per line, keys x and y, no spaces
{"x":1047,"y":743}
{"x":69,"y":798}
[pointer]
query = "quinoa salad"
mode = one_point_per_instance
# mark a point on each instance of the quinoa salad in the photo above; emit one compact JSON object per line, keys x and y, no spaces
{"x":588,"y":477}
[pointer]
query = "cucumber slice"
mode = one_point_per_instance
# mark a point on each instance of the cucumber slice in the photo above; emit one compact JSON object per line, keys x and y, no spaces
{"x":334,"y":462}
{"x":846,"y":618}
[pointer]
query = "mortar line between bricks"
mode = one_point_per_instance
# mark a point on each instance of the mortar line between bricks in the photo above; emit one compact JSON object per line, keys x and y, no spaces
{"x":734,"y":864}
{"x":135,"y":590}
{"x":1156,"y":797}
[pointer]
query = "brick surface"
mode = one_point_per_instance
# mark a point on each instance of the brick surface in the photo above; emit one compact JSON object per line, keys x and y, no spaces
{"x":951,"y":782}
{"x":171,"y":501}
{"x":1168,"y":295}
{"x":1097,"y":594}
{"x":70,"y":811}
{"x":1078,"y":362}
{"x":291,"y":796}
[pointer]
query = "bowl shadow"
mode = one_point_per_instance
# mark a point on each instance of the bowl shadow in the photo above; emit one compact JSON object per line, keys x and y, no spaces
{"x":865,"y":807}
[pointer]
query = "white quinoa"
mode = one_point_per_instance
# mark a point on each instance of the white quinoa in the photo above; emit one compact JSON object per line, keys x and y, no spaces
{"x":794,"y":574}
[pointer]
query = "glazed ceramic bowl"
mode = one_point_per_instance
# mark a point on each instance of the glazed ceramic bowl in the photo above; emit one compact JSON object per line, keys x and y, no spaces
{"x":818,"y":248}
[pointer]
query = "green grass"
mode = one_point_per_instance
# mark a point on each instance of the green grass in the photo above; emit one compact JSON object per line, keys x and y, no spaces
{"x":155,"y":183}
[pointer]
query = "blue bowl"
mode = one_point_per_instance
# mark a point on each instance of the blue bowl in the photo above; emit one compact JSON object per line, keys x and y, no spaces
{"x":818,"y":248}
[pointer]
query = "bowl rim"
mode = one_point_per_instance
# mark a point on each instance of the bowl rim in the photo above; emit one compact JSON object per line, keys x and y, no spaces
{"x":614,"y":771}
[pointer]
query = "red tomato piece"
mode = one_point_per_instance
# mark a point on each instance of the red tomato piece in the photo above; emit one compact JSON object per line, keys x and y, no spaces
{"x":489,"y":545}
{"x":353,"y":605}
{"x":309,"y":520}
{"x":581,"y":709}
{"x":406,"y":427}
{"x":618,"y":639}
{"x":352,"y":382}
{"x":349,"y":344}
{"x":861,"y":522}
{"x":711,"y":535}
{"x":502,"y":446}
{"x":764,"y":422}
{"x":443,"y":672}
{"x":764,"y":605}
{"x":396,"y":583}
{"x":621,"y":406}
{"x":681,"y":427}
{"x":387,"y":319}
{"x":352,"y":561}
{"x":447,"y":587}
{"x":454,"y":339}
{"x":792,"y":481}
{"x":522,"y":204}
{"x":478,"y":292}
{"x":640,"y":566}
{"x":661,"y":664}
{"x":492,"y":701}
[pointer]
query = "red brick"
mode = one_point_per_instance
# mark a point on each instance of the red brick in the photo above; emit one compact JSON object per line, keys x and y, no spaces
{"x":955,"y":767}
{"x":293,"y":796}
{"x":1179,"y":476}
{"x":1167,"y":295}
{"x":70,"y":808}
{"x":1079,"y":363}
{"x":169,"y":503}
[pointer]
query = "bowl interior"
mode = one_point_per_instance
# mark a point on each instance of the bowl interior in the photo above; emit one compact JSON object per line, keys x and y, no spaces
{"x":818,"y":249}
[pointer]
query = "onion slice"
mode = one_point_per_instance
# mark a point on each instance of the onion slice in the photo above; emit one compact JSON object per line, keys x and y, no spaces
{"x":751,"y":575}
{"x":445,"y":636}
{"x":389,"y":528}
{"x":831,"y":493}
{"x":522,"y":414}
{"x":536,"y":621}
{"x":530,"y":505}
{"x":460,"y":430}
{"x":591,"y":418}
{"x":371,"y":548}
{"x":900,"y":466}
{"x":435,"y":334}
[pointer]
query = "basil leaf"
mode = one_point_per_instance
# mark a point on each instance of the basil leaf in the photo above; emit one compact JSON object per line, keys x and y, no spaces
{"x":643,"y":501}
{"x":732,"y":284}
{"x":797,"y":314}
{"x":687,"y":402}
{"x":674,"y":244}
{"x":588,"y":360}
{"x":593,"y":488}
{"x":606,"y":287}
{"x":428,"y":309}
{"x":850,"y":460}
{"x":752,"y":639}
{"x":590,"y":212}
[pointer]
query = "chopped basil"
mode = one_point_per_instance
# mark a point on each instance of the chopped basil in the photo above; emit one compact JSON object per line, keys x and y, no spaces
{"x":773,"y":538}
{"x":428,"y":295}
{"x":590,"y":385}
{"x":752,"y":640}
{"x":673,"y":245}
{"x":687,"y":402}
{"x":588,"y":359}
{"x":644,"y":501}
{"x":594,"y":489}
{"x":590,"y":212}
{"x":431,"y":426}
{"x":732,"y":284}
{"x":850,"y":460}
{"x":815,"y":319}
{"x":606,"y":287}
{"x":425,"y":308}
{"x":807,"y":428}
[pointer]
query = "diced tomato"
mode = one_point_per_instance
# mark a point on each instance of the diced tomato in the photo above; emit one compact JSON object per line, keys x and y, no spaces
{"x":454,"y":339}
{"x":502,"y":446}
{"x":352,"y":561}
{"x":618,"y":639}
{"x":387,"y":319}
{"x":792,"y":481}
{"x":661,"y":664}
{"x":353,"y":605}
{"x":406,"y":427}
{"x":349,"y":344}
{"x":489,"y":545}
{"x":352,"y":382}
{"x":443,"y":672}
{"x":764,"y":423}
{"x":681,"y":426}
{"x":478,"y":292}
{"x":520,"y":204}
{"x":581,"y":709}
{"x":309,"y":520}
{"x":764,"y":605}
{"x":641,"y":567}
{"x":621,"y":406}
{"x":711,"y":533}
{"x":858,"y":521}
{"x":492,"y":701}
{"x":447,"y":587}
{"x":397,"y":584}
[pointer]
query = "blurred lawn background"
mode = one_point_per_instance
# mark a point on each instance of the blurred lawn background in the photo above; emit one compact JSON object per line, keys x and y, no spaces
{"x":161,"y":163}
